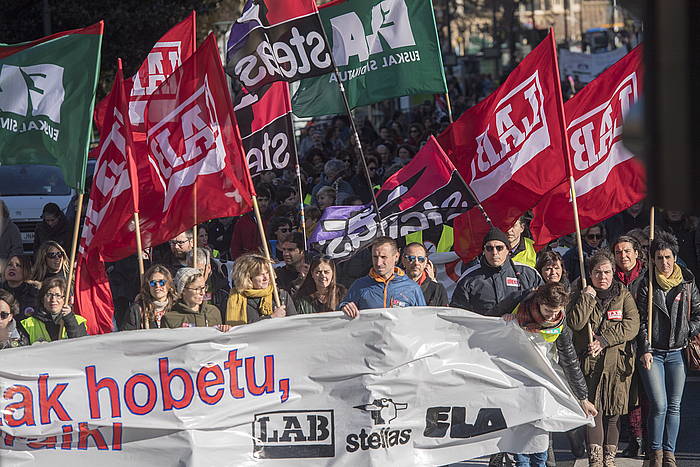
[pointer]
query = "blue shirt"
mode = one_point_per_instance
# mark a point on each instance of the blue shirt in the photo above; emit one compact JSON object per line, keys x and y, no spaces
{"x":366,"y":292}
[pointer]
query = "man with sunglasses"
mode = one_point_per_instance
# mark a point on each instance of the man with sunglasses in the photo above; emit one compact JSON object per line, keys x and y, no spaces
{"x":415,"y":262}
{"x":593,"y":239}
{"x":495,"y":279}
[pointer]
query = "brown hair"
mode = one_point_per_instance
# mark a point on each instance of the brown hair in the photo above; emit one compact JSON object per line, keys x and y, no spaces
{"x":379,"y":241}
{"x":40,"y":268}
{"x":546,"y":258}
{"x":11,"y":301}
{"x":552,"y":294}
{"x":335,"y":292}
{"x":49,"y":284}
{"x":144,"y":298}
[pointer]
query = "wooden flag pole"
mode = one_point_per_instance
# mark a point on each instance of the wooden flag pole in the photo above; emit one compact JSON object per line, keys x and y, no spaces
{"x":139,"y":256}
{"x":567,"y":161}
{"x":650,"y":294}
{"x":266,"y":250}
{"x":356,"y":135}
{"x":301,"y":204}
{"x":449,"y":106}
{"x":74,"y":244}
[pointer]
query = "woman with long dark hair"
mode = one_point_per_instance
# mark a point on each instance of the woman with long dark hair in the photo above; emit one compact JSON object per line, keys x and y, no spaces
{"x":319,"y":292}
{"x":156,"y":298}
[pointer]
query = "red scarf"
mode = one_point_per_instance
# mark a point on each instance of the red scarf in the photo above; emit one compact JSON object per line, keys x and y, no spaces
{"x":628,"y":277}
{"x":530,"y":318}
{"x":422,"y":278}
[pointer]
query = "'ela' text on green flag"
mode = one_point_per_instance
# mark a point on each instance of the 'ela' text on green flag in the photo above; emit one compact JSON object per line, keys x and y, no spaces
{"x":47,"y":93}
{"x":383,"y":49}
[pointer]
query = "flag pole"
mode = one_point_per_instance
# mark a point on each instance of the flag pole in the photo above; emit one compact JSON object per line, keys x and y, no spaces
{"x":449,"y":106}
{"x":266,"y":250}
{"x":650,"y":294}
{"x":356,"y":136}
{"x":74,"y":243}
{"x":194,"y":193}
{"x":301,"y":194}
{"x":567,"y":155}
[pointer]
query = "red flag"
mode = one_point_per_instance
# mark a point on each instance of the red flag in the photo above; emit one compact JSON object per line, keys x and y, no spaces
{"x":509,"y":147}
{"x":193,"y":142}
{"x":266,"y":127}
{"x":167,"y":54}
{"x":113,"y":201}
{"x":607,"y":177}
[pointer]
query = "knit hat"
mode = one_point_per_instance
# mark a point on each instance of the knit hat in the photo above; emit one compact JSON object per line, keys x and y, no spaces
{"x":183,"y":276}
{"x":496,"y":234}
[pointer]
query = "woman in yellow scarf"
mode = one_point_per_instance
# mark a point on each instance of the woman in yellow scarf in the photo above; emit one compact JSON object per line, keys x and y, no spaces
{"x":251,"y":297}
{"x":675,"y":320}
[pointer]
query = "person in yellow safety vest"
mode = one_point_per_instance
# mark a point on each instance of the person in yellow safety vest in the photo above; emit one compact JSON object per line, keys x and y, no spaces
{"x":447,"y":239}
{"x":541,"y":313}
{"x":53,"y":319}
{"x":522,"y":249}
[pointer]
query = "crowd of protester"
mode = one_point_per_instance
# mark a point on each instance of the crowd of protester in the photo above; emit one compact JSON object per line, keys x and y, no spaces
{"x":226,"y":281}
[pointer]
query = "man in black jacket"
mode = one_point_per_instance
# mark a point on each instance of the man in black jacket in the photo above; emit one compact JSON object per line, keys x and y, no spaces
{"x":415,"y":262}
{"x":495,"y":279}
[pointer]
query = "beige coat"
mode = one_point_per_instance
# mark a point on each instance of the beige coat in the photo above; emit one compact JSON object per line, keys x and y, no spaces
{"x":609,"y":375}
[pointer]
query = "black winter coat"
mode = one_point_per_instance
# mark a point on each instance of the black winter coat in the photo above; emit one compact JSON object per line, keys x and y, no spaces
{"x":434,"y":293}
{"x":671,"y":328}
{"x":485,"y":286}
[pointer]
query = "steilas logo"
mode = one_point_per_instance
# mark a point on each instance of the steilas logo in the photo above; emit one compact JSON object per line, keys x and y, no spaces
{"x":286,"y":51}
{"x":382,"y":411}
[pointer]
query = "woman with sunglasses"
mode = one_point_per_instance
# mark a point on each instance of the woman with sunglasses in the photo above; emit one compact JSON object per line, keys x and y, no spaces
{"x":16,"y":281}
{"x":190,"y":311}
{"x":251,"y":298}
{"x":51,"y":261}
{"x":607,"y":361}
{"x":54,"y":319}
{"x":10,"y":335}
{"x":319,"y":292}
{"x":156,"y":298}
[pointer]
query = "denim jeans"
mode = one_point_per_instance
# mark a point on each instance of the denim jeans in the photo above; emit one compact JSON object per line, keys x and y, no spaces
{"x":538,"y":459}
{"x":664,"y":384}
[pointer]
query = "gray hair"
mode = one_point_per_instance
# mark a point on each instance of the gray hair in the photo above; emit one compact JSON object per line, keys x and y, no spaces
{"x":203,"y":257}
{"x":185,"y":276}
{"x":333,"y":167}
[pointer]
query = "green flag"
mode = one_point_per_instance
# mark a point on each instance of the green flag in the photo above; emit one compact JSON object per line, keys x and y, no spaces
{"x":383,"y":49}
{"x":47,"y":94}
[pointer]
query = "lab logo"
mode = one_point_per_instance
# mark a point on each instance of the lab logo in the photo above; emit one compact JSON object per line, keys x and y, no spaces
{"x":294,"y":434}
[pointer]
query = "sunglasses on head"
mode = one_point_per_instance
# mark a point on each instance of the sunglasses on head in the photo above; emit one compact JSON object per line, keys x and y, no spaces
{"x":494,"y":248}
{"x":160,"y":282}
{"x":412,"y":258}
{"x":4,"y":314}
{"x":594,"y":236}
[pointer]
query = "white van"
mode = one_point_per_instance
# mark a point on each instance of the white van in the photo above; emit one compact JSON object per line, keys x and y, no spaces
{"x":25,"y":189}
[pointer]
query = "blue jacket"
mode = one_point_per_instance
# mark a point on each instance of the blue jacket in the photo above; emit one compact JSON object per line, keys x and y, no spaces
{"x":400,"y":291}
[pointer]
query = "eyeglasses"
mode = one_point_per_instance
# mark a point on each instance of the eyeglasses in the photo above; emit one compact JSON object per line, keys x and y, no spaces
{"x":179,"y":242}
{"x":196,"y":289}
{"x":57,"y":296}
{"x":54,"y":254}
{"x":160,"y":282}
{"x":412,"y":258}
{"x":494,"y":248}
{"x":594,"y":236}
{"x":5,"y":314}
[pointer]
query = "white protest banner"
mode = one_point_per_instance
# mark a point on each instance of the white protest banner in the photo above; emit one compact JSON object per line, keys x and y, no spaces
{"x":412,"y":386}
{"x":587,"y":66}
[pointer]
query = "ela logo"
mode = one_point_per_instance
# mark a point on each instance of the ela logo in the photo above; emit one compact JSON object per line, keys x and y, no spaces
{"x":382,"y":411}
{"x":293,"y":434}
{"x":32,"y":91}
{"x":390,"y":26}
